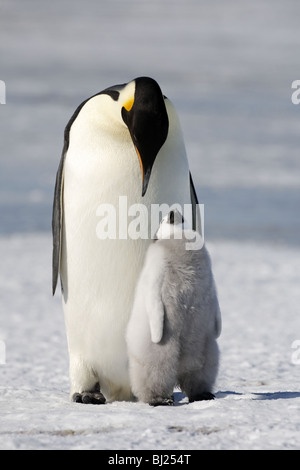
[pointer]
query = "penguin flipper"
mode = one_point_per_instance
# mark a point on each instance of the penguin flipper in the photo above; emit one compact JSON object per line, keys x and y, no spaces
{"x":218,"y":321}
{"x":197,"y":226}
{"x":154,"y":303}
{"x":57,"y":214}
{"x":156,"y":313}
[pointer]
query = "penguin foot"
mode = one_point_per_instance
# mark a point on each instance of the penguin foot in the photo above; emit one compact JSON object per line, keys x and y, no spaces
{"x":202,"y":396}
{"x":94,"y":397}
{"x":160,"y":401}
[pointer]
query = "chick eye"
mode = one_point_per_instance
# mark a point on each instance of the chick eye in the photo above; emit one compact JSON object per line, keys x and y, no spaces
{"x":172,"y":217}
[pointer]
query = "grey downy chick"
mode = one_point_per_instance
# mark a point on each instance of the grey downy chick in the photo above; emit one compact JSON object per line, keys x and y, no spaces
{"x":175,"y":321}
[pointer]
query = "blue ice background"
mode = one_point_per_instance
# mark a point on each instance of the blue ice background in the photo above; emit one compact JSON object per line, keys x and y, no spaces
{"x":228,"y":67}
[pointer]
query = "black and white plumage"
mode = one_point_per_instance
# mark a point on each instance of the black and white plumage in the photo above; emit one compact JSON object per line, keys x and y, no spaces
{"x":175,"y":320}
{"x":124,"y":141}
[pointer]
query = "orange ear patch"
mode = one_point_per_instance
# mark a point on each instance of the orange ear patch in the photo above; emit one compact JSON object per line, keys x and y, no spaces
{"x":129,"y":103}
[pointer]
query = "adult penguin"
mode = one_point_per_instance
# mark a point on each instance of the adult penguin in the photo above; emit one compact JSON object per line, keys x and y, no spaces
{"x":124,"y":141}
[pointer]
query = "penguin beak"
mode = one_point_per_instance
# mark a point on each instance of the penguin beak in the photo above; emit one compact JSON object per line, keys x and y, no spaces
{"x":148,"y":137}
{"x":146,"y":169}
{"x":145,"y":177}
{"x":147,"y":120}
{"x":147,"y":143}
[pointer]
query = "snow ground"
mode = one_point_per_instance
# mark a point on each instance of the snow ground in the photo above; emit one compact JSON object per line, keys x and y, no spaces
{"x":258,"y":393}
{"x":228,"y":68}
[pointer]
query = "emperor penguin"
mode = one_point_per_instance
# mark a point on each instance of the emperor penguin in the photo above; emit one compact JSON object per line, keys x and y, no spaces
{"x":124,"y":142}
{"x":175,"y":320}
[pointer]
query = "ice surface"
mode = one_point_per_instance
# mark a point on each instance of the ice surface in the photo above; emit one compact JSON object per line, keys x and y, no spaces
{"x":228,"y":67}
{"x":258,"y":396}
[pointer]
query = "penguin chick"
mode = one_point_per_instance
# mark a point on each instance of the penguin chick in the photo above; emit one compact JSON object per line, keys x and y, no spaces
{"x":175,"y":320}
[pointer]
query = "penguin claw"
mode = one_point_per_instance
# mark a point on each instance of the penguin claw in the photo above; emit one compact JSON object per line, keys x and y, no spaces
{"x":168,"y":401}
{"x":93,"y":398}
{"x":77,"y":397}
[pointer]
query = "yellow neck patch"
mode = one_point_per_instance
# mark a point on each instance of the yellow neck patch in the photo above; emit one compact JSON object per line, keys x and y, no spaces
{"x":129,"y":103}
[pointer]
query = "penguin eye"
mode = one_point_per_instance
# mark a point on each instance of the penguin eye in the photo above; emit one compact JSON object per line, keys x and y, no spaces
{"x":172,"y":217}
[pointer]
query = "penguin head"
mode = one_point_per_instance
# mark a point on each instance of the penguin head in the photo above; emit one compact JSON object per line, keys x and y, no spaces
{"x":143,"y":111}
{"x":172,"y":223}
{"x":139,"y":106}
